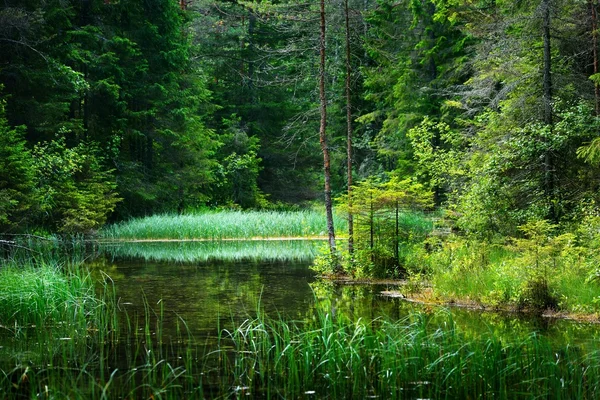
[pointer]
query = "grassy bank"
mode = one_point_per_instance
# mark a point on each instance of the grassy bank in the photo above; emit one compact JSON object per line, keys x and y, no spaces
{"x":224,"y":225}
{"x":48,"y":296}
{"x":545,"y":268}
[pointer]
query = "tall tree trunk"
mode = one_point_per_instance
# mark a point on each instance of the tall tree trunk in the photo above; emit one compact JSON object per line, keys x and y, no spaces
{"x":323,"y":137}
{"x":349,"y":134}
{"x":594,"y":13}
{"x":547,"y":96}
{"x":372,"y":228}
{"x":397,"y":236}
{"x":547,"y":100}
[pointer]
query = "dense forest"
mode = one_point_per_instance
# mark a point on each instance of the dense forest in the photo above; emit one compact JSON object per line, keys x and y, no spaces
{"x":285,"y":198}
{"x":485,"y":109}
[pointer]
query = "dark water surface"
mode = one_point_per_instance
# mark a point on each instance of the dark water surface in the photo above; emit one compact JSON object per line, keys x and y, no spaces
{"x":214,"y":286}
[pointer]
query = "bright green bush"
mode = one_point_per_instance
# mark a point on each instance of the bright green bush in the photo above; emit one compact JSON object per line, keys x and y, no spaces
{"x":77,"y":193}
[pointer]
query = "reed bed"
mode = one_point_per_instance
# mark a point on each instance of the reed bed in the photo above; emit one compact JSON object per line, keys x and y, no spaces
{"x":46,"y":296}
{"x":61,"y":338}
{"x":223,"y":225}
{"x":406,"y":359}
{"x":324,"y":356}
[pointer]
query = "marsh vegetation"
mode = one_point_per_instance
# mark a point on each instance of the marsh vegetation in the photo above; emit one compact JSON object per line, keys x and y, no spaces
{"x":127,"y":326}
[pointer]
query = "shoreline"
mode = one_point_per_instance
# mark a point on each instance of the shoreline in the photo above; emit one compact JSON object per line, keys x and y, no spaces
{"x":426,"y":297}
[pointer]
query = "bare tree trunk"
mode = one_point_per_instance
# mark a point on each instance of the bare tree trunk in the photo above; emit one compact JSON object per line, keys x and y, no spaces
{"x":397,"y":236}
{"x":547,"y":99}
{"x":323,"y":137}
{"x":349,"y":136}
{"x":372,"y":228}
{"x":594,"y":13}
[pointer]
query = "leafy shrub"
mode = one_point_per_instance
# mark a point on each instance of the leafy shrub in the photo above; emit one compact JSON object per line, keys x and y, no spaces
{"x":77,"y":192}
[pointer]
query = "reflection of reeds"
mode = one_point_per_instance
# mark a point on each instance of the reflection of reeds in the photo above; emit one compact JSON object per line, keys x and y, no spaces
{"x":224,"y":225}
{"x":228,"y":250}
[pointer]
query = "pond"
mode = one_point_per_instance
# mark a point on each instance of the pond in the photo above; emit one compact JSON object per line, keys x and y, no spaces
{"x":216,"y":285}
{"x":232,"y":319}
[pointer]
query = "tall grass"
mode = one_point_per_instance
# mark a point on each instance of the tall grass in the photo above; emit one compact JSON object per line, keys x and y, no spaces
{"x":62,"y":338}
{"x":324,"y":356}
{"x":45,"y":297}
{"x":405,"y":359}
{"x":224,"y":225}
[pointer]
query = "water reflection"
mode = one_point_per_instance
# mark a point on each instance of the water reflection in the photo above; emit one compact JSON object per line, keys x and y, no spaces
{"x":225,"y":250}
{"x":211,"y":294}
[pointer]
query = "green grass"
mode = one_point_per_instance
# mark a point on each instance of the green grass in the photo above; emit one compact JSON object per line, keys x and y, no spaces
{"x":502,"y":276}
{"x":63,"y":338}
{"x":224,"y":225}
{"x":405,"y":359}
{"x":45,"y":296}
{"x":234,"y":250}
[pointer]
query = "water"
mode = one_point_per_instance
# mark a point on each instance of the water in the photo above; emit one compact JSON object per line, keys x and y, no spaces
{"x":211,"y":294}
{"x":190,"y":292}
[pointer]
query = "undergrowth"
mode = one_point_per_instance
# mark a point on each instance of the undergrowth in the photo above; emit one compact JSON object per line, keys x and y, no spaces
{"x":543,"y":269}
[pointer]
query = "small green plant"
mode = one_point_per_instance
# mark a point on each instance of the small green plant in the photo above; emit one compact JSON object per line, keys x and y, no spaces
{"x":326,"y":263}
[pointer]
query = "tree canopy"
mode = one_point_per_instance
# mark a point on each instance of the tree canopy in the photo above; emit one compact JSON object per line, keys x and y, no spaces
{"x":112,"y":109}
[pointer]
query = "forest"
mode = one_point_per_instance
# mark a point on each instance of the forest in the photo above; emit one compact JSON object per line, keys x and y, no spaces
{"x":477,"y":118}
{"x":118,"y":109}
{"x":303,"y":199}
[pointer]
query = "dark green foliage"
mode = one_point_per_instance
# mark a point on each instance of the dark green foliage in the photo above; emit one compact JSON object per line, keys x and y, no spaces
{"x":419,"y":57}
{"x":116,"y":74}
{"x":17,"y":193}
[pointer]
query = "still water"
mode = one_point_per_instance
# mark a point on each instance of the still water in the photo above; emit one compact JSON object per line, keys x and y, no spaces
{"x":218,"y":285}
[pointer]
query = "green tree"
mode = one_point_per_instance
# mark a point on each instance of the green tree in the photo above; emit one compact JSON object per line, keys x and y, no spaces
{"x":378,"y":209}
{"x":419,"y":56}
{"x":17,"y":194}
{"x":527,"y":111}
{"x":77,"y":192}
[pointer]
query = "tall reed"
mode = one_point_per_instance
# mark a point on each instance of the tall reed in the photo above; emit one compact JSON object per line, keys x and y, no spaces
{"x":223,"y":225}
{"x":328,"y":356}
{"x":405,"y":359}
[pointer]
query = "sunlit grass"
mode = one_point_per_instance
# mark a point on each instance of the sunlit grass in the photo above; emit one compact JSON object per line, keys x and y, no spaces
{"x":45,"y":296}
{"x":224,"y":225}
